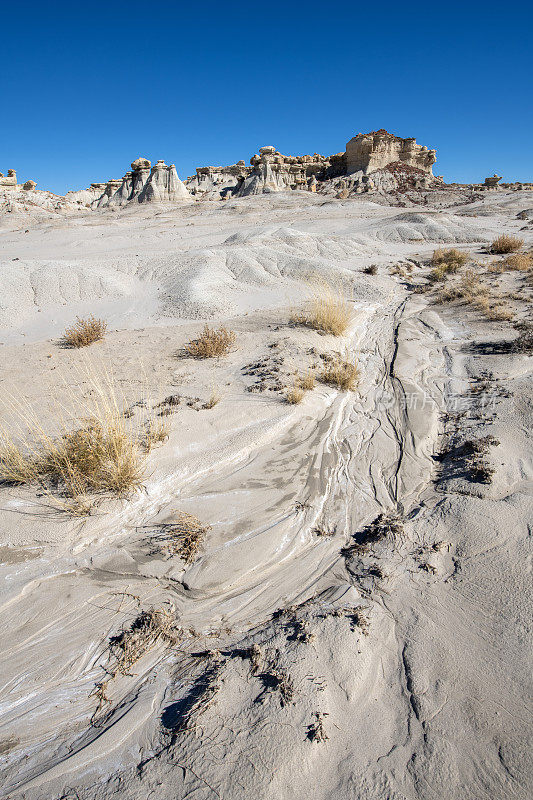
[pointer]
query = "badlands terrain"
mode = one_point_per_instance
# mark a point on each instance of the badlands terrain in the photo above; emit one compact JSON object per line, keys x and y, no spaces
{"x":356,"y":622}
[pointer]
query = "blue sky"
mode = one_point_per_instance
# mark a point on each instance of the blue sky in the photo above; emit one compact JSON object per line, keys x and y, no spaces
{"x":86,"y":88}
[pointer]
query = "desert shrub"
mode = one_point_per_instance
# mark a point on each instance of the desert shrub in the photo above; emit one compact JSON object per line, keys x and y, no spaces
{"x":371,"y":270}
{"x":341,"y":372}
{"x":327,"y":311}
{"x":84,"y":332}
{"x":518,"y":261}
{"x":307,"y":381}
{"x":211,"y":343}
{"x":451,"y":257}
{"x":295,"y":394}
{"x":506,"y":244}
{"x":471,"y":284}
{"x":445,"y":262}
{"x":438,"y":273}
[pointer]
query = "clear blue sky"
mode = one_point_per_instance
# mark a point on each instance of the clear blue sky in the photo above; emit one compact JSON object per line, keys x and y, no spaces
{"x":87,"y":87}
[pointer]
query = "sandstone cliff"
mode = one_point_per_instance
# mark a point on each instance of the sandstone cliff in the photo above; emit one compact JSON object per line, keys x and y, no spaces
{"x":370,"y":152}
{"x":379,"y":154}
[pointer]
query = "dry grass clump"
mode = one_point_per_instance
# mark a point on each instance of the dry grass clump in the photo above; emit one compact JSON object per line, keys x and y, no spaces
{"x":307,"y":381}
{"x":519,"y":261}
{"x":494,"y":309}
{"x":156,"y":433}
{"x":182,"y":537}
{"x":445,"y":262}
{"x":473,"y":291}
{"x":385,"y":526}
{"x":16,"y":466}
{"x":211,"y":343}
{"x":93,"y":448}
{"x":84,"y":332}
{"x":102,"y":457}
{"x":295,"y":394}
{"x":214,"y":398}
{"x":146,"y":630}
{"x":341,"y":372}
{"x":506,"y":244}
{"x":327,"y":311}
{"x":469,"y":289}
{"x":150,"y":628}
{"x":451,"y":257}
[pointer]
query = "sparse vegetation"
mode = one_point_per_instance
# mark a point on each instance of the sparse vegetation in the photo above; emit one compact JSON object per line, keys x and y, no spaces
{"x":84,"y":332}
{"x":469,"y":289}
{"x":494,"y":309}
{"x":452,"y":258}
{"x":16,"y":466}
{"x":519,"y":261}
{"x":211,"y":343}
{"x":473,"y":291}
{"x":371,"y":270}
{"x":506,"y":244}
{"x":156,"y":433}
{"x":467,"y":459}
{"x":95,"y":448}
{"x":328,"y":311}
{"x":445,"y":262}
{"x":307,"y":381}
{"x":276,"y":679}
{"x":295,"y":394}
{"x":316,"y":731}
{"x":100,"y":457}
{"x":255,"y":654}
{"x":341,"y":372}
{"x":323,"y":530}
{"x":182,"y":537}
{"x":149,"y":628}
{"x":97,"y":458}
{"x":360,"y":620}
{"x":385,"y":526}
{"x":214,"y":398}
{"x":144,"y":633}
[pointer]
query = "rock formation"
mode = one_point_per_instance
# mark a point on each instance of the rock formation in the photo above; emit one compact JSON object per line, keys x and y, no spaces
{"x":274,"y":172}
{"x":10,"y":179}
{"x":369,"y":152}
{"x":144,"y":184}
{"x":217,"y":180}
{"x":491,"y":183}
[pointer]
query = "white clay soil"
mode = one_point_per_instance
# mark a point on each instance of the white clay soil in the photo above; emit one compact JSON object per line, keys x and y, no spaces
{"x":315,"y":648}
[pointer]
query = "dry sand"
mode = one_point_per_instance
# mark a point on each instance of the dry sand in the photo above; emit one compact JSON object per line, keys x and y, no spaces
{"x":342,"y":665}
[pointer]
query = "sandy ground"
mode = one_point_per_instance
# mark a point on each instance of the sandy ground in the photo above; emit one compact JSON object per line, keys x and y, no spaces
{"x":349,"y":664}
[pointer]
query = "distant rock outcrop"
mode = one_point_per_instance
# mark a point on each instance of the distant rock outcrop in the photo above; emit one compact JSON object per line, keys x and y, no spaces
{"x":10,"y":179}
{"x":369,"y":152}
{"x":144,"y":184}
{"x":273,"y":172}
{"x":492,"y":183}
{"x":366,"y":154}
